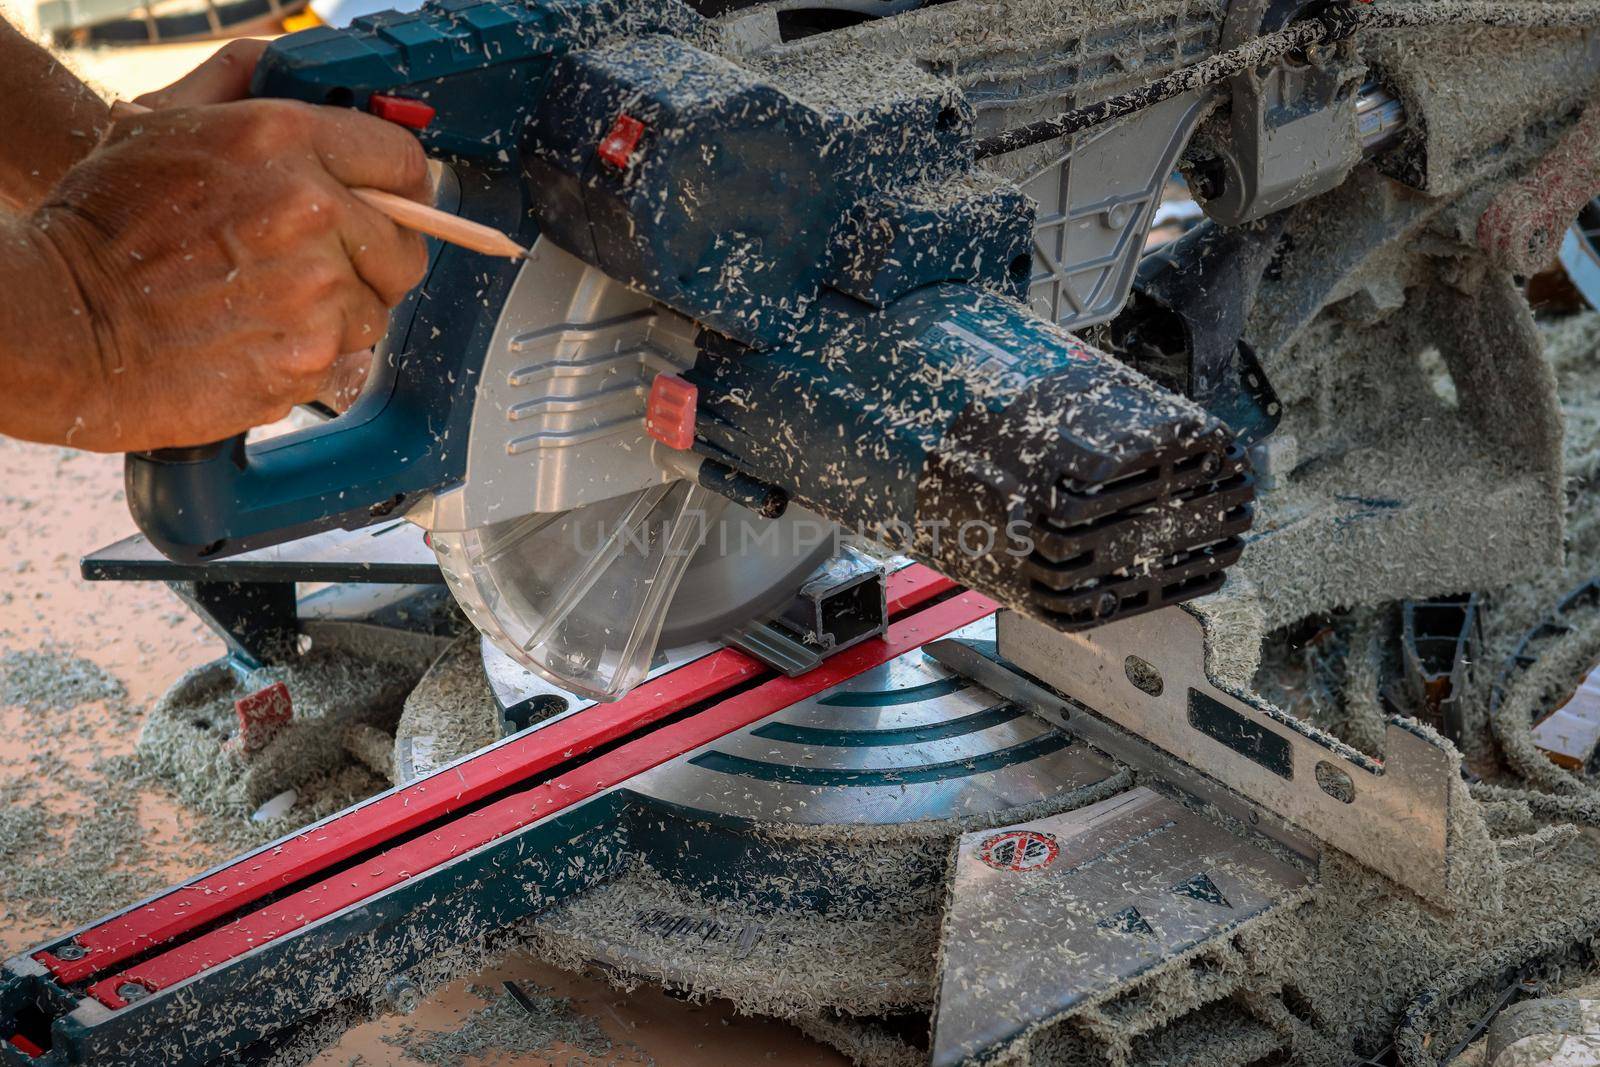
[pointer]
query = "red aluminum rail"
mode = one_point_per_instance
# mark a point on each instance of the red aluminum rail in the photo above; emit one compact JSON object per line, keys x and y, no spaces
{"x":368,"y":826}
{"x":480,"y":827}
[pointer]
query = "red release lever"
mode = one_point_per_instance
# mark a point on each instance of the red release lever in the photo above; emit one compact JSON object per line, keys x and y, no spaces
{"x":621,"y":141}
{"x":669,"y":413}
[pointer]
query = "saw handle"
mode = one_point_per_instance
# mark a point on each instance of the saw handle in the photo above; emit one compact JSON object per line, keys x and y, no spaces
{"x":217,"y":500}
{"x":405,"y":436}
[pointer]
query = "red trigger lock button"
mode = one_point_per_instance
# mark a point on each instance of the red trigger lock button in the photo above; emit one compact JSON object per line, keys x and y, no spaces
{"x":401,"y":110}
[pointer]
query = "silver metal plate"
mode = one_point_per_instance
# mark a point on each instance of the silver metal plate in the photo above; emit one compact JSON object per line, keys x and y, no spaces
{"x":1044,"y":915}
{"x":558,"y":420}
{"x":1392,"y":816}
{"x":980,"y":661}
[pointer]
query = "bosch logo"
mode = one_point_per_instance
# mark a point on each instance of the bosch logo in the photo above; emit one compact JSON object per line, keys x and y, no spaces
{"x":1019,"y":850}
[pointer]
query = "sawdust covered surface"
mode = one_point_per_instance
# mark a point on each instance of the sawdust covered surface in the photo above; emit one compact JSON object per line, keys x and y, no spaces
{"x":450,"y":713}
{"x":1337,"y":975}
{"x":71,"y":836}
{"x":506,"y":1026}
{"x":189,"y":742}
{"x":52,"y":679}
{"x":81,"y":831}
{"x":644,"y":928}
{"x":79,"y":835}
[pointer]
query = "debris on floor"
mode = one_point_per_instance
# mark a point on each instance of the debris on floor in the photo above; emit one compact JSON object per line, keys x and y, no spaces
{"x":188,"y":738}
{"x":519,"y":1019}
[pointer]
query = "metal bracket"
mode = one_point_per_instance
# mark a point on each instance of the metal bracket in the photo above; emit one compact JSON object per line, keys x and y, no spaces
{"x":1293,"y":132}
{"x":1147,"y":674}
{"x":840,"y":605}
{"x":1190,"y":337}
{"x":1096,"y":200}
{"x":258,"y":621}
{"x":250,"y":599}
{"x":980,"y":661}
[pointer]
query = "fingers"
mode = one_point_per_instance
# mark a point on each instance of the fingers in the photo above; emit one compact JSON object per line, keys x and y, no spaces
{"x":388,"y":258}
{"x":346,"y":379}
{"x":224,"y":77}
{"x":366,"y":318}
{"x":360,"y":150}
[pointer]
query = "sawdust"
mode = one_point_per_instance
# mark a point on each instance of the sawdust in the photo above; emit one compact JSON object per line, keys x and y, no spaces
{"x":450,"y":713}
{"x":72,"y":838}
{"x":867,"y":1044}
{"x":373,"y":747}
{"x":1235,"y":626}
{"x":52,"y":679}
{"x":61,"y":871}
{"x":1536,"y":690}
{"x":186,"y":741}
{"x":1572,"y":346}
{"x":1478,"y":121}
{"x":73,"y":842}
{"x":552,"y":1028}
{"x":1398,"y":494}
{"x":645,"y":928}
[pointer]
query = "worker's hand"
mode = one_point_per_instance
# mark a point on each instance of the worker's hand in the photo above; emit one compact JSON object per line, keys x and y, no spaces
{"x":225,"y":266}
{"x":224,"y":77}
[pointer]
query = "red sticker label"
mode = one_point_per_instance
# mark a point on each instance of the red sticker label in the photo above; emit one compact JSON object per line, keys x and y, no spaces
{"x":1019,"y":850}
{"x":261,"y":715}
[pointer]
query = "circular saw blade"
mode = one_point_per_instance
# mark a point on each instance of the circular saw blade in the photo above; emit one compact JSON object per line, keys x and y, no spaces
{"x":567,"y":543}
{"x":747,"y":568}
{"x":584,"y":597}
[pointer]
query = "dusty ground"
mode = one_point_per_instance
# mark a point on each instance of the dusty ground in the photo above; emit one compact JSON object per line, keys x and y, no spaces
{"x":67,"y":790}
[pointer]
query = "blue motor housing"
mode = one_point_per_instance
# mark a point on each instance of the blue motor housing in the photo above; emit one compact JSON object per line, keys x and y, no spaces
{"x":955,"y":425}
{"x":736,"y":208}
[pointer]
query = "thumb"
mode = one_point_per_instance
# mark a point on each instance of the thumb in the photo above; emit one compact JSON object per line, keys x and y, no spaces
{"x":222,"y":78}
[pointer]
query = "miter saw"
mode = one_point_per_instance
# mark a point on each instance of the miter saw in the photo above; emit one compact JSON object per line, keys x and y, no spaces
{"x":1021,"y":797}
{"x":748,"y":285}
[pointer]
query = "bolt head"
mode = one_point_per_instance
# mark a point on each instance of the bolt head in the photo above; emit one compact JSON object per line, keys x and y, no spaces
{"x":1108,"y":603}
{"x":131,"y":991}
{"x":71,"y":951}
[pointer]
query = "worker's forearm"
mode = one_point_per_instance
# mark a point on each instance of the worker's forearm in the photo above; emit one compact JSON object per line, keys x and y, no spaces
{"x":52,"y":120}
{"x":50,"y":383}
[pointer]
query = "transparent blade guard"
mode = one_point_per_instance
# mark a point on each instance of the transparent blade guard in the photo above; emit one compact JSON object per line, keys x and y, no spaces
{"x":580,"y":596}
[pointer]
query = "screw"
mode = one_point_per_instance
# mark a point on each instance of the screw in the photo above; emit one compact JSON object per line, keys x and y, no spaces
{"x":1209,"y":179}
{"x":1107,"y":603}
{"x":71,"y":951}
{"x":402,"y":995}
{"x":1211,"y":464}
{"x":131,"y":991}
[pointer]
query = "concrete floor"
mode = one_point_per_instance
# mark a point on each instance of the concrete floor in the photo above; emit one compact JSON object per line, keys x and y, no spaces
{"x":56,"y":505}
